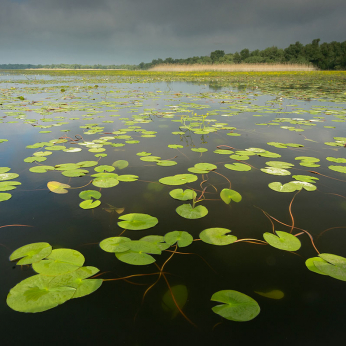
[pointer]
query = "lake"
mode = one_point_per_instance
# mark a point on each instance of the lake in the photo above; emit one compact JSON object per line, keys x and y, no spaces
{"x":210,"y":166}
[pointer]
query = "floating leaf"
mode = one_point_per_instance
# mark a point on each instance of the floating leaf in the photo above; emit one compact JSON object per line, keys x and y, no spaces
{"x":78,"y":280}
{"x":275,"y":171}
{"x":182,"y":195}
{"x":31,"y":253}
{"x":311,"y":266}
{"x":174,"y":146}
{"x":137,"y":221}
{"x":41,"y":169}
{"x":336,"y":159}
{"x":282,"y":241}
{"x":178,"y":179}
{"x":279,"y":164}
{"x":8,"y":176}
{"x":277,"y":186}
{"x":158,"y":240}
{"x":115,"y":244}
{"x":8,"y":185}
{"x":217,"y":236}
{"x":238,"y":306}
{"x":199,"y":150}
{"x":182,"y":238}
{"x":5,"y":196}
{"x":56,"y":187}
{"x":36,"y":294}
{"x":86,"y":164}
{"x":306,"y":178}
{"x":89,"y":204}
{"x":127,"y":177}
{"x":60,"y":261}
{"x":241,"y":167}
{"x":333,"y":265}
{"x":188,"y":212}
{"x":105,"y":182}
{"x":166,"y":163}
{"x":228,"y":195}
{"x":340,"y":169}
{"x":104,"y":168}
{"x":87,"y":194}
{"x":75,"y":173}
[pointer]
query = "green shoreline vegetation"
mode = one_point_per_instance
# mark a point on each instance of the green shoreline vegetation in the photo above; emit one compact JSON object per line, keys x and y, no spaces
{"x":325,"y":56}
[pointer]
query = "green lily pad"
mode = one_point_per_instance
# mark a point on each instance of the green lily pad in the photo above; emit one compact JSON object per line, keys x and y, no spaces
{"x":223,"y":152}
{"x":182,"y":195}
{"x":279,"y":164}
{"x":5,"y":196}
{"x":41,"y":169}
{"x":333,"y":265}
{"x":175,"y":146}
{"x":277,"y":186}
{"x":78,"y":280}
{"x":89,"y":204}
{"x":282,"y":241}
{"x":150,"y":158}
{"x":306,"y":178}
{"x":340,"y":169}
{"x":60,"y":261}
{"x":228,"y":195}
{"x":105,"y":182}
{"x":104,"y":168}
{"x":237,"y":306}
{"x":311,"y":266}
{"x":87,"y":194}
{"x":8,"y":185}
{"x":4,"y":169}
{"x":275,"y":171}
{"x":158,"y":240}
{"x":67,"y":167}
{"x":31,"y":253}
{"x":86,"y":164}
{"x":137,"y":221}
{"x":36,"y":294}
{"x":75,"y":173}
{"x":178,"y":179}
{"x":166,"y":163}
{"x":8,"y":176}
{"x":199,"y":150}
{"x":56,"y":187}
{"x":188,"y":212}
{"x":128,"y":177}
{"x":241,"y":167}
{"x":182,"y":238}
{"x":217,"y":236}
{"x":115,"y":244}
{"x":336,"y":159}
{"x":143,"y":153}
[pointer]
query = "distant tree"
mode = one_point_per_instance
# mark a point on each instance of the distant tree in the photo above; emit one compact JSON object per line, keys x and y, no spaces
{"x":244,"y":54}
{"x":236,"y":58}
{"x":216,"y":55}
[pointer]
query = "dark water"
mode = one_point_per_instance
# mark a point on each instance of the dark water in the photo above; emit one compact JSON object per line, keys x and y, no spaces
{"x":312,"y":311}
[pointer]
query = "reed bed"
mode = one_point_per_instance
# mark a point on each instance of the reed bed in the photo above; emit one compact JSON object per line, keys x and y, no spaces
{"x":233,"y":67}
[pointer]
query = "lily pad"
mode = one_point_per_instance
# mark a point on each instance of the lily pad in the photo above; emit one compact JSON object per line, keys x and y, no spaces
{"x":311,"y":266}
{"x":340,"y":169}
{"x":37,"y":294}
{"x":158,"y":240}
{"x":89,"y":204}
{"x":8,"y":185}
{"x":75,"y":173}
{"x":228,"y":195}
{"x":8,"y":176}
{"x":5,"y":196}
{"x":137,"y":221}
{"x":56,"y":187}
{"x":115,"y":244}
{"x":87,"y":194}
{"x":306,"y":178}
{"x":31,"y":253}
{"x":241,"y":167}
{"x":238,"y":306}
{"x":178,"y":179}
{"x":182,"y":238}
{"x":188,"y":212}
{"x":182,"y":195}
{"x":60,"y":261}
{"x":275,"y":171}
{"x":105,"y":182}
{"x":41,"y":169}
{"x":282,"y":241}
{"x":333,"y":265}
{"x":217,"y":236}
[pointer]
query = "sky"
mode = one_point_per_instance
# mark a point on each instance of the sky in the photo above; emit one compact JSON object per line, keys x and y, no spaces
{"x":132,"y":31}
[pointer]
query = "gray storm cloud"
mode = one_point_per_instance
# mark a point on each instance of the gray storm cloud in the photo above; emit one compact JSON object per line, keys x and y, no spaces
{"x":131,"y":31}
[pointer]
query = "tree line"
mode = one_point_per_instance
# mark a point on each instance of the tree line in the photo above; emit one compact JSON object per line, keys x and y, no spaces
{"x":325,"y":56}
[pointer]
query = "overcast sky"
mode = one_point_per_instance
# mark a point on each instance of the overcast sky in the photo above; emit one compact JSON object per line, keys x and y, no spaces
{"x":131,"y":31}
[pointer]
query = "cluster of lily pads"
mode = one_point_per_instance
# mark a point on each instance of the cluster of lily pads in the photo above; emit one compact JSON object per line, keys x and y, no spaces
{"x":61,"y":276}
{"x":6,"y":183}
